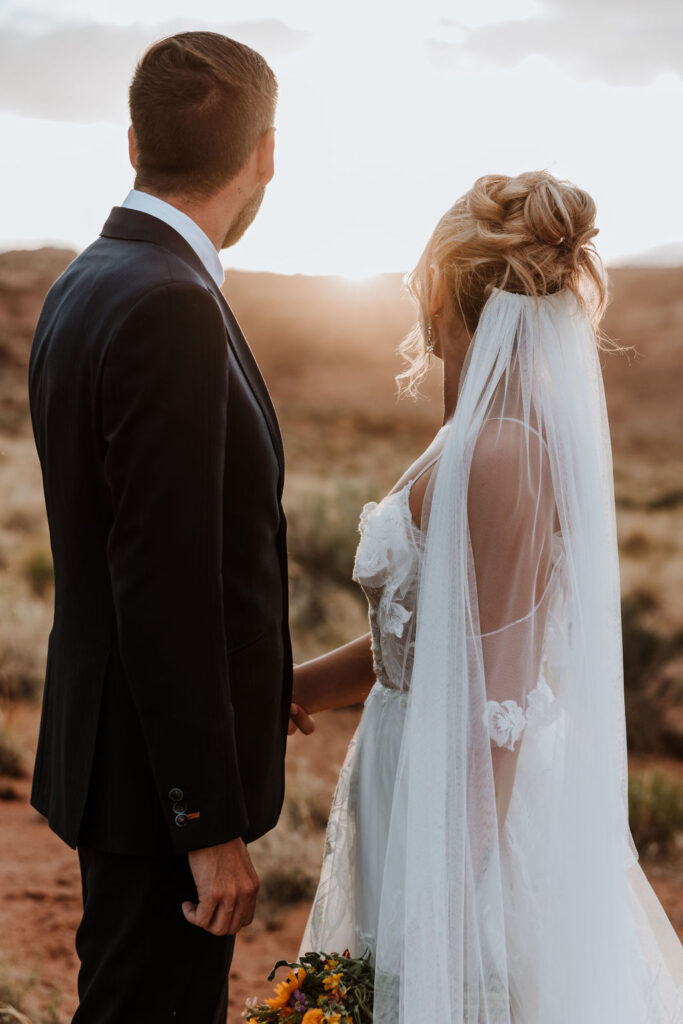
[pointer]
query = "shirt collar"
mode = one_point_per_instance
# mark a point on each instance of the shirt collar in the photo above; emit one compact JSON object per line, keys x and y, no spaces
{"x":184,"y":225}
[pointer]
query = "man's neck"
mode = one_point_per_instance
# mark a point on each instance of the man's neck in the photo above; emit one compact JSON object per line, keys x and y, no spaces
{"x":208,"y":214}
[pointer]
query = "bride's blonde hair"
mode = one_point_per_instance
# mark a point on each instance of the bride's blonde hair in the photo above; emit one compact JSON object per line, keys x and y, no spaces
{"x":531,"y":234}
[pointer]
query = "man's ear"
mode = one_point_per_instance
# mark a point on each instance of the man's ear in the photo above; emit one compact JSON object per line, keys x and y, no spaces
{"x":132,"y":148}
{"x":265,"y":157}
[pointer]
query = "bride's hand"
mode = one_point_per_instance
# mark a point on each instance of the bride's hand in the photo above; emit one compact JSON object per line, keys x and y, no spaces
{"x":301,"y":720}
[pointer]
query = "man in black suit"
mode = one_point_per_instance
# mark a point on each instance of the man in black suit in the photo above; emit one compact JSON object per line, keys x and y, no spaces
{"x":169,"y":673}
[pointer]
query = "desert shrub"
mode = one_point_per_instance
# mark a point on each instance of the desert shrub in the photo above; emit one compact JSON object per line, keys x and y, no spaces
{"x":637,"y":544}
{"x":647,"y":690}
{"x":22,"y":520}
{"x":323,"y":615}
{"x":288,"y":865}
{"x":670,"y":499}
{"x":11,"y":761}
{"x":38,"y":571}
{"x":326,"y":607}
{"x":308,"y":801}
{"x":655,"y":802}
{"x":24,"y":628}
{"x":323,"y":528}
{"x":16,"y":986}
{"x":288,"y":858}
{"x":642,"y":646}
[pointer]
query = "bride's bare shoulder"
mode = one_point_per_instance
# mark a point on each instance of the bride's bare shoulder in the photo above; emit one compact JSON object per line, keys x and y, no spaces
{"x":503,"y":444}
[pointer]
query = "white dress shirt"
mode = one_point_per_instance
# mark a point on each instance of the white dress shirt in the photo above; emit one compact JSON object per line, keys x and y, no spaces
{"x":184,"y":225}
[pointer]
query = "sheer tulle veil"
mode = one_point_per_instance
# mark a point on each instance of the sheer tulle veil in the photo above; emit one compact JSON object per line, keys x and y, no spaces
{"x":512,"y":892}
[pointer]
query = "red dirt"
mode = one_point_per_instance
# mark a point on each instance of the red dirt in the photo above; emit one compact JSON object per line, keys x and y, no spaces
{"x":40,"y":882}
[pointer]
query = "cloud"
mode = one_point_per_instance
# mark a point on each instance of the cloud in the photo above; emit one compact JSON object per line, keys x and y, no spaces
{"x":623,"y":42}
{"x":80,"y":70}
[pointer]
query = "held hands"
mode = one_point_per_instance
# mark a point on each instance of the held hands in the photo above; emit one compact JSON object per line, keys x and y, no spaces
{"x":227,"y":886}
{"x":301,"y":720}
{"x":299,"y":717}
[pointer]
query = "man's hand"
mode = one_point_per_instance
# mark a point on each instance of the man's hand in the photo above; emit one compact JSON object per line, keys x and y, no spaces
{"x":300,"y":719}
{"x":227,"y":885}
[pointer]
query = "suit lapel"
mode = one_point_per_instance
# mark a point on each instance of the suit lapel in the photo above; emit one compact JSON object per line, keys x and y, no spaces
{"x":143,"y":227}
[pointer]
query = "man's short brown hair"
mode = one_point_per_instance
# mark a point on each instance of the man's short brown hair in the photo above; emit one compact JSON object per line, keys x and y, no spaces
{"x":199,"y":102}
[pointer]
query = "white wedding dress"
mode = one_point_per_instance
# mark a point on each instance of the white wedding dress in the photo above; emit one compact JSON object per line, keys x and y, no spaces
{"x":379,"y":846}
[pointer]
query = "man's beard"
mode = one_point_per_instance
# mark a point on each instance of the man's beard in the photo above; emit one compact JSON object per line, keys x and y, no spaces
{"x":244,"y":217}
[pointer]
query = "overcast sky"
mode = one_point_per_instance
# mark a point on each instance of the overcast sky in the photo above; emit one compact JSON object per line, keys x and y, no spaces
{"x":388,"y":112}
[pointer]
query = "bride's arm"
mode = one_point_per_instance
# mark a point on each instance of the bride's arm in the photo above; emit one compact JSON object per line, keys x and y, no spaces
{"x":337,"y":679}
{"x":511,"y":513}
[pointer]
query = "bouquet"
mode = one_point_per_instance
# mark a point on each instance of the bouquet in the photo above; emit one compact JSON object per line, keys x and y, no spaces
{"x":320,"y":988}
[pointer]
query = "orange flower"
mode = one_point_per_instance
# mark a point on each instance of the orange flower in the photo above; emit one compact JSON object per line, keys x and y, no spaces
{"x":313,"y":1017}
{"x":332,"y":981}
{"x":285,"y":989}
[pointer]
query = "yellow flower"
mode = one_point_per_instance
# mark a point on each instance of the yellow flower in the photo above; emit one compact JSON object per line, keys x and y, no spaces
{"x":313,"y":1017}
{"x":285,"y":989}
{"x":332,"y":981}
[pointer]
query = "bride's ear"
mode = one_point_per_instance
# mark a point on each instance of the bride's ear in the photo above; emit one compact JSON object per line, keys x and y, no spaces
{"x":437,"y":291}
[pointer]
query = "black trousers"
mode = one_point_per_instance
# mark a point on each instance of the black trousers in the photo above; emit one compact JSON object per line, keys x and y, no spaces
{"x":141,"y":961}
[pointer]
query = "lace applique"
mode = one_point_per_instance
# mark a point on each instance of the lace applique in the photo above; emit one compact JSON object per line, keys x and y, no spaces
{"x":385,"y":552}
{"x":386,"y":567}
{"x":392,"y":615}
{"x":506,"y":720}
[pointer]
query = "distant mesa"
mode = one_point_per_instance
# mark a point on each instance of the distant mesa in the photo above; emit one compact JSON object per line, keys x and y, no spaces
{"x":670,"y":255}
{"x":25,"y":277}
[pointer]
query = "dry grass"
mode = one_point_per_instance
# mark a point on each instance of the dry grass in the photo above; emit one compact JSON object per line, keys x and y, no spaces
{"x":38,"y":571}
{"x":655,"y":811}
{"x":25,"y":570}
{"x":17,"y":989}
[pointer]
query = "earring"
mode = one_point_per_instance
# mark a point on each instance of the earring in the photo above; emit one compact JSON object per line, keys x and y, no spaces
{"x":430,"y":339}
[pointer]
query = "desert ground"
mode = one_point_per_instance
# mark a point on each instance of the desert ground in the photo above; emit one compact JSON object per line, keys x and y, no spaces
{"x":327,"y":347}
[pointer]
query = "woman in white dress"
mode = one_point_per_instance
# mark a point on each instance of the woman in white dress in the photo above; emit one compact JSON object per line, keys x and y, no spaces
{"x":478,"y":845}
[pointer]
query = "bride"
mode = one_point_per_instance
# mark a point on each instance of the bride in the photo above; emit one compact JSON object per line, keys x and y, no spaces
{"x":478,"y":845}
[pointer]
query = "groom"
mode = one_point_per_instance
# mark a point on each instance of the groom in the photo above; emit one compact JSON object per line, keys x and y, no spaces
{"x":169,"y":673}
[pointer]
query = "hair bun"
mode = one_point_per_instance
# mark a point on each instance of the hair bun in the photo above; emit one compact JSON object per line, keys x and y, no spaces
{"x":530,"y":234}
{"x":559,"y":212}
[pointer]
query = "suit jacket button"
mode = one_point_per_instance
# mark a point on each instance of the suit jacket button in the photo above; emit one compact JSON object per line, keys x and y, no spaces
{"x":181,"y":820}
{"x":179,"y":808}
{"x":175,"y":794}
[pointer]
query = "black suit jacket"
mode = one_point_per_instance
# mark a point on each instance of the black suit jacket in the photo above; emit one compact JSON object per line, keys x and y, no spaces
{"x":169,"y":669}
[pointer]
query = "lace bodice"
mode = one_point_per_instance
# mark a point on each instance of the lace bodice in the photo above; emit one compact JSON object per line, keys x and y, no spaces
{"x":387,"y":569}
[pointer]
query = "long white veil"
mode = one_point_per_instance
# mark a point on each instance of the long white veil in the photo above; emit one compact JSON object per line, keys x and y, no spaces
{"x":512,"y":891}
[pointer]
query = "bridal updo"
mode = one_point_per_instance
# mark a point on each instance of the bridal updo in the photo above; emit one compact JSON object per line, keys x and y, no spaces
{"x":529,"y":234}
